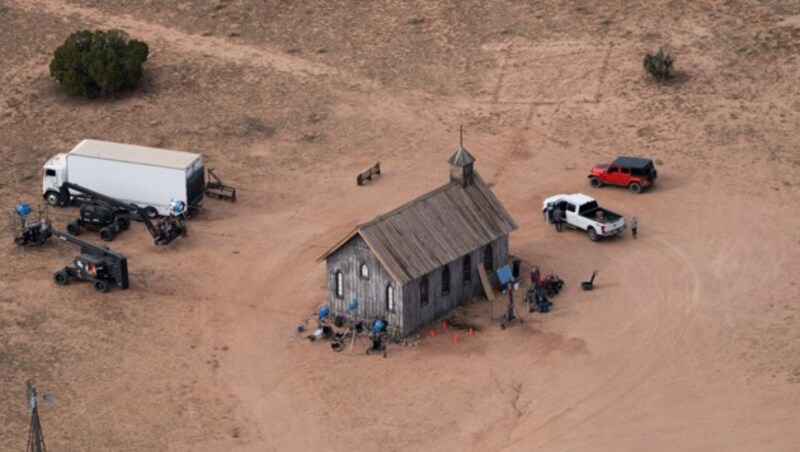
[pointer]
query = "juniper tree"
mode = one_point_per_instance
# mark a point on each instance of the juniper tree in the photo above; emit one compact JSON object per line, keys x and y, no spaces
{"x":659,"y":65}
{"x":98,"y":63}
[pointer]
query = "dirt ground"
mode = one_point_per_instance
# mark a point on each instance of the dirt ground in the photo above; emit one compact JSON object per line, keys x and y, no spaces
{"x":690,"y":342}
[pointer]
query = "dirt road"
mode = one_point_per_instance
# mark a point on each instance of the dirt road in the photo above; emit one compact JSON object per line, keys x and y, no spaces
{"x":690,"y":341}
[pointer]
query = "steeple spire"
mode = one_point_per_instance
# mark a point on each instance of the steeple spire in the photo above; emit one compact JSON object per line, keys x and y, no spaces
{"x":461,"y":163}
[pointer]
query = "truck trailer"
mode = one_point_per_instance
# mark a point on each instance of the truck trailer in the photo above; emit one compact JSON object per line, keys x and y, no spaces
{"x":148,"y":177}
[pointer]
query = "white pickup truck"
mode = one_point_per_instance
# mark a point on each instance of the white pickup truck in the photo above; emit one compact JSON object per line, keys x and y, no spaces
{"x":583,"y":212}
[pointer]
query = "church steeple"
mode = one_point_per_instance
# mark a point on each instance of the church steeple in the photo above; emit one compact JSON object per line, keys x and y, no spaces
{"x":461,"y":169}
{"x":461,"y":162}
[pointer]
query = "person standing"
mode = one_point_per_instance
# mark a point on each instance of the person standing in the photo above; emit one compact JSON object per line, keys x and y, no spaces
{"x":558,"y":219}
{"x":634,"y":225}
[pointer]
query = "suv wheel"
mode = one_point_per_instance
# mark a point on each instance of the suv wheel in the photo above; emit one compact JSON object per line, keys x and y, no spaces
{"x":635,"y":187}
{"x":595,"y":182}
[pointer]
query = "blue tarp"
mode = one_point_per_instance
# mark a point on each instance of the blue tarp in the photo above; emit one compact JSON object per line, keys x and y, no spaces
{"x":504,"y":276}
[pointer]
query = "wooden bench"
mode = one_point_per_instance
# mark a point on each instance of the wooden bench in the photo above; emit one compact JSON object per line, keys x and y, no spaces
{"x":368,"y":174}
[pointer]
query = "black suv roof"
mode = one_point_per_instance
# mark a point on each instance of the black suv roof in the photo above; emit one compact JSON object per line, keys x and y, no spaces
{"x":632,"y":162}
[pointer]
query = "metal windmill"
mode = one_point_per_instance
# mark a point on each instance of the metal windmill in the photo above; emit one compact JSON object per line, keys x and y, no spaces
{"x":35,"y":435}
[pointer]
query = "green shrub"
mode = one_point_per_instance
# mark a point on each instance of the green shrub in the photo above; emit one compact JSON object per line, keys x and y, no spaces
{"x":98,"y":63}
{"x":659,"y":65}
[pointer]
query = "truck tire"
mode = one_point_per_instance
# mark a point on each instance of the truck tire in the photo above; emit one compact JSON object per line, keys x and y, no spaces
{"x":101,"y":286}
{"x":52,"y":198}
{"x":593,"y":236}
{"x":74,"y":228}
{"x":151,"y":212}
{"x":61,"y":278}
{"x":595,"y":182}
{"x":635,"y":187}
{"x":106,"y":234}
{"x":123,"y":223}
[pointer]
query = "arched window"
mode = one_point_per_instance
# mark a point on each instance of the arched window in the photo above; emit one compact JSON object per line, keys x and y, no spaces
{"x":339,"y":284}
{"x":488,"y":260}
{"x":364,"y":271}
{"x":423,"y":291}
{"x":466,"y":270}
{"x":390,"y":298}
{"x":445,"y":280}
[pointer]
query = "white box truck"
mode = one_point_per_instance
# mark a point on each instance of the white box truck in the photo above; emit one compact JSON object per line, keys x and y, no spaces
{"x":145,"y":176}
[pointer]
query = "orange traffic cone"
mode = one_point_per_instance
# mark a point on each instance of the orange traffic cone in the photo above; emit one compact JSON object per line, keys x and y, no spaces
{"x":455,"y":338}
{"x":470,"y":331}
{"x":433,"y":333}
{"x":444,"y":325}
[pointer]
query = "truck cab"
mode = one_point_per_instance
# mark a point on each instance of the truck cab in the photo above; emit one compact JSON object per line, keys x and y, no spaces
{"x":55,"y":174}
{"x":632,"y":172}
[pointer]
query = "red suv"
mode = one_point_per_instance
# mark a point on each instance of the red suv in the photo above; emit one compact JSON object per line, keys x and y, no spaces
{"x":632,"y":172}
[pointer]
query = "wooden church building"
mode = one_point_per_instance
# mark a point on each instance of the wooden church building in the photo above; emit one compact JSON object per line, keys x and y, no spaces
{"x":419,"y":261}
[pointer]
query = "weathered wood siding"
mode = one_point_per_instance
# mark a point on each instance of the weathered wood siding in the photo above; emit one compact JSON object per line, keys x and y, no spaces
{"x":416,"y":316}
{"x":370,"y":292}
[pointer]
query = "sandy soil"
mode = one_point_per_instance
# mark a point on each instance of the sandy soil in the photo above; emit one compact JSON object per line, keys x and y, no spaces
{"x":690,"y":341}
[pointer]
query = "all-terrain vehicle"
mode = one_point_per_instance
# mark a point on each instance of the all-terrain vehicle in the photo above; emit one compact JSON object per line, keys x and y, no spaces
{"x":632,"y":172}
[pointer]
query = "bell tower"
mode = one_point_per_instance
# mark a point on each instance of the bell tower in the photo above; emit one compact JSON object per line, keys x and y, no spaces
{"x":461,"y":165}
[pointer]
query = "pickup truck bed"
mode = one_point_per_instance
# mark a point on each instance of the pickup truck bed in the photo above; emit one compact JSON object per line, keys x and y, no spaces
{"x":607,"y":216}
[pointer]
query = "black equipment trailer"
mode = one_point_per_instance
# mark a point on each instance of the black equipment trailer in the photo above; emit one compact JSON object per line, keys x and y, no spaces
{"x":95,"y":264}
{"x":111,"y":216}
{"x":215,"y":188}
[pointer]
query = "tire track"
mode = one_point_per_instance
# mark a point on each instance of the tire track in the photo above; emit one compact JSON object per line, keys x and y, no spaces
{"x":518,"y":145}
{"x":237,"y":53}
{"x":658,"y":347}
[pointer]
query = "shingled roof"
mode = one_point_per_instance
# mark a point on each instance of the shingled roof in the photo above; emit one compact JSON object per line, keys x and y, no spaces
{"x":434,"y":229}
{"x":461,"y":157}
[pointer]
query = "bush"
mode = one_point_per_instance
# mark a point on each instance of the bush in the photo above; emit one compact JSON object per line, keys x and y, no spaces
{"x":659,"y":65}
{"x":98,"y":63}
